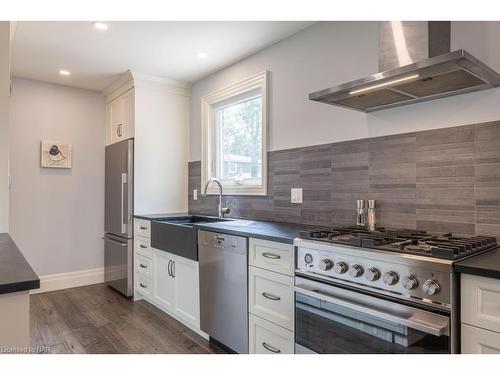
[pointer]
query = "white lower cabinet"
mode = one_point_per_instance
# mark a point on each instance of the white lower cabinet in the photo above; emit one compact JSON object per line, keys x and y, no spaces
{"x":268,"y":338}
{"x":480,"y":314}
{"x":164,"y":283}
{"x":186,"y":290}
{"x":271,"y":296}
{"x":144,"y":286}
{"x":176,"y":287}
{"x":171,"y":283}
{"x":479,"y":341}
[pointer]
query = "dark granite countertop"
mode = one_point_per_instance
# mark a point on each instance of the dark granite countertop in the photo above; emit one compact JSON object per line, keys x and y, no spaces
{"x":486,"y":264}
{"x":267,"y":230}
{"x":159,"y":216}
{"x":16,"y":275}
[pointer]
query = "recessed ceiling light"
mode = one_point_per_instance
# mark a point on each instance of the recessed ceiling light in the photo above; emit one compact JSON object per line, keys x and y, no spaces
{"x":100,"y":25}
{"x":201,"y":55}
{"x":64,"y":73}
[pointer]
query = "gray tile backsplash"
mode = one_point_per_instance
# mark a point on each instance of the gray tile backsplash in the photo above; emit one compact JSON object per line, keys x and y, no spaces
{"x":438,"y":180}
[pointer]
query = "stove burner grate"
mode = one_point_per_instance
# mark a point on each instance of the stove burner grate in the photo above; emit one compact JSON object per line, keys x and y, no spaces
{"x":445,"y":246}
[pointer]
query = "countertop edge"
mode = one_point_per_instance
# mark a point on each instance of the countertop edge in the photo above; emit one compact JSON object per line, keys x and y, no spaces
{"x":477,"y":271}
{"x":157,"y":216}
{"x":484,"y":265}
{"x":30,"y":282}
{"x":243,"y":233}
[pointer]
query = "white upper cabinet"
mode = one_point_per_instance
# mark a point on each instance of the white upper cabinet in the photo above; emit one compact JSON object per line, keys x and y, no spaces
{"x":155,"y":112}
{"x":120,"y":119}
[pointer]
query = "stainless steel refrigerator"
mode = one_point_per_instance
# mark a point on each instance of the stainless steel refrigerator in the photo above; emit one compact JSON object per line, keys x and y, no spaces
{"x":118,"y":227}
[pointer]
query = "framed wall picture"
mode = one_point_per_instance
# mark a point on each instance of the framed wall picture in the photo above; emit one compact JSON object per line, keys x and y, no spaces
{"x":55,"y":154}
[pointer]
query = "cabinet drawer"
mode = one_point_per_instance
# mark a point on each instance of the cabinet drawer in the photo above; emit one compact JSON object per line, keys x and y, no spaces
{"x":142,"y":228}
{"x":144,"y":286}
{"x":271,"y":296}
{"x":143,"y":247}
{"x":269,"y":338}
{"x":480,"y":302}
{"x":479,"y":341}
{"x":144,"y":266}
{"x":272,"y":256}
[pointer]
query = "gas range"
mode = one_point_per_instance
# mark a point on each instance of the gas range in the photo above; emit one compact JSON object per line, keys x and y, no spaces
{"x":402,"y":263}
{"x":389,"y":290}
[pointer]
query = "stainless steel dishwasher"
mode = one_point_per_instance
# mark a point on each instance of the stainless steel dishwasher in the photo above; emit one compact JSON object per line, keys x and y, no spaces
{"x":224,"y":288}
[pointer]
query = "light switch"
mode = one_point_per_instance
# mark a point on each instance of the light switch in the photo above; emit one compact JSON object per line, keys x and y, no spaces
{"x":195,"y":194}
{"x":296,"y":194}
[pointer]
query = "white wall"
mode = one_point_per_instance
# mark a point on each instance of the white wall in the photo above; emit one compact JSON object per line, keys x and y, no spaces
{"x":57,"y":215}
{"x":331,"y":53}
{"x":161,"y":148}
{"x":4,"y":125}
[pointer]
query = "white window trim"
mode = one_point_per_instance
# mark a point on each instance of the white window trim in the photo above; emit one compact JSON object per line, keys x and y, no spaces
{"x":208,"y":104}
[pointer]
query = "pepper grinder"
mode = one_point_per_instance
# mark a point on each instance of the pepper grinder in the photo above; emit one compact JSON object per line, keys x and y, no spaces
{"x":371,"y":215}
{"x":361,"y":213}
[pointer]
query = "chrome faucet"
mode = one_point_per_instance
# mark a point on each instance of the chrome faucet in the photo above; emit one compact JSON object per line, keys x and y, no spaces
{"x":221,"y":210}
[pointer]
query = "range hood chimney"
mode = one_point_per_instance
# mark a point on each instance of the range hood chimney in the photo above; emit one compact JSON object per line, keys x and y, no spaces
{"x":415,"y":64}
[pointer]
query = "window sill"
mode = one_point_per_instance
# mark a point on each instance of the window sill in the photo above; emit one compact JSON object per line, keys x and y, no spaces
{"x":230,"y":190}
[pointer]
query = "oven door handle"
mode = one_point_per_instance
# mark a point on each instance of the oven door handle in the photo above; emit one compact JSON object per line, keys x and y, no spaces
{"x":411,"y":322}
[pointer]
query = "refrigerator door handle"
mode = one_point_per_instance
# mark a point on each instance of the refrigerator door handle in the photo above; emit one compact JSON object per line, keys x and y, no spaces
{"x":124,"y":220}
{"x":122,"y":244}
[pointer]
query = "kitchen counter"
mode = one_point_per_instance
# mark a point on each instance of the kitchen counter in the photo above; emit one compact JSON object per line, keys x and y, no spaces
{"x":159,"y":216}
{"x":266,"y":230}
{"x":16,"y":275}
{"x":486,"y":265}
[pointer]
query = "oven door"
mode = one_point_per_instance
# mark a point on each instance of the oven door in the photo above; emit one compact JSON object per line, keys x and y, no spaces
{"x":330,"y":319}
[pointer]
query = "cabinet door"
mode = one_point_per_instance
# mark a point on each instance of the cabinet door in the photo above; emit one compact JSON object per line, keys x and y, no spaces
{"x":268,"y":338}
{"x":116,"y":119}
{"x":271,"y":296}
{"x":479,"y":341}
{"x":128,"y":113}
{"x":480,"y":302}
{"x":272,"y":256}
{"x":164,"y":285}
{"x":187,"y":295}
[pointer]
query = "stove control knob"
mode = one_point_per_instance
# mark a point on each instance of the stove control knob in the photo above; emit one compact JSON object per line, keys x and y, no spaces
{"x":390,"y":278}
{"x":410,"y":282}
{"x":340,"y":268}
{"x":308,"y":258}
{"x":325,"y":264}
{"x":431,"y":287}
{"x":355,"y":270}
{"x":372,"y":274}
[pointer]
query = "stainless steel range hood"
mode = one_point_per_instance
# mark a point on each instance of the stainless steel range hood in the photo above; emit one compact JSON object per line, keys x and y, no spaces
{"x":416,"y":65}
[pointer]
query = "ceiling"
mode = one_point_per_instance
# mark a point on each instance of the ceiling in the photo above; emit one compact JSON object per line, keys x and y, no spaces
{"x":167,"y":49}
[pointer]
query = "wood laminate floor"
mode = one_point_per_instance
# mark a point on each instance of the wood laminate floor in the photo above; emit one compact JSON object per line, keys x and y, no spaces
{"x":97,"y":319}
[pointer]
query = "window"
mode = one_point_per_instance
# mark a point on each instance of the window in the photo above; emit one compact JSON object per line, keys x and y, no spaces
{"x":234,"y":131}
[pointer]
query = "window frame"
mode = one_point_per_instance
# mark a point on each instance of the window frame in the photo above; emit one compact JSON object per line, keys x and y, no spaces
{"x":255,"y":85}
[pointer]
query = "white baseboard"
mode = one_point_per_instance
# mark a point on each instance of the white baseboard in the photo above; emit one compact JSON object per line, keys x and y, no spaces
{"x":67,"y":280}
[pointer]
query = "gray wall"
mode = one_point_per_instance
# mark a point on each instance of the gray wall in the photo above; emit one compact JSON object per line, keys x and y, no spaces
{"x":57,"y":215}
{"x":330,"y":53}
{"x":4,"y":125}
{"x":436,"y":180}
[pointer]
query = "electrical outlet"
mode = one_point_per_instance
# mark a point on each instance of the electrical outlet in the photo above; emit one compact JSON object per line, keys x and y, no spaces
{"x":296,"y":194}
{"x":195,"y":194}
